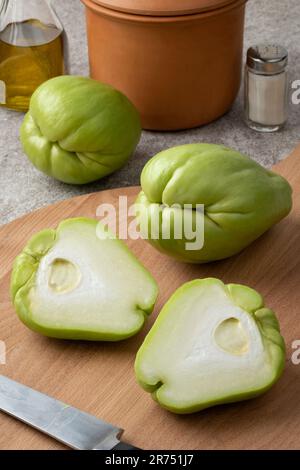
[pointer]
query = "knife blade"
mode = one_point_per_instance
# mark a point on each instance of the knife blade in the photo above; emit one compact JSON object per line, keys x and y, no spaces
{"x":69,"y":425}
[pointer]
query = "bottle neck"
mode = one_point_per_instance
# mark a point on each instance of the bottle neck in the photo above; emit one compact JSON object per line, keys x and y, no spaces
{"x":19,"y":11}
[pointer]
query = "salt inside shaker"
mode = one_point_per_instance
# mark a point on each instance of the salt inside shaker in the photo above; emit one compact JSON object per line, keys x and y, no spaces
{"x":266,"y":90}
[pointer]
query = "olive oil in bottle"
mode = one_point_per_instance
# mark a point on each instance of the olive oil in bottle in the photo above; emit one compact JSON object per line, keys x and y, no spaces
{"x":31,"y":50}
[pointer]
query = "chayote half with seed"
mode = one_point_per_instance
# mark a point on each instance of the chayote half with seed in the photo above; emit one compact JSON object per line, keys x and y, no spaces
{"x":211,"y":344}
{"x":79,"y":282}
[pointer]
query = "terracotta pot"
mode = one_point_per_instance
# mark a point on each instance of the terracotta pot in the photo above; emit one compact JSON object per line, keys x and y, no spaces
{"x":182,"y":70}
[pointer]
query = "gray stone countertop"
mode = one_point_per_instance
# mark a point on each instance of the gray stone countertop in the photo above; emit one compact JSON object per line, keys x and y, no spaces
{"x":24,"y":189}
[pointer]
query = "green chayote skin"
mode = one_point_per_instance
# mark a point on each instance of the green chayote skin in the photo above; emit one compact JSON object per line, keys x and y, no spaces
{"x":107,"y":295}
{"x":183,"y":366}
{"x":78,"y":130}
{"x":242,"y":200}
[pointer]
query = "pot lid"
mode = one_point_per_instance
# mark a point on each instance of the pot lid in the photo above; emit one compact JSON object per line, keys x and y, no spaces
{"x":163,"y":7}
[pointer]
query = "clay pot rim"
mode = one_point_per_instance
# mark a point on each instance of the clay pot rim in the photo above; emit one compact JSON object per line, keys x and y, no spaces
{"x":132,"y":17}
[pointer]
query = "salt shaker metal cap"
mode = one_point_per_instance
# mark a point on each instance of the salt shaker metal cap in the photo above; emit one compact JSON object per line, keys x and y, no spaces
{"x":267,"y":59}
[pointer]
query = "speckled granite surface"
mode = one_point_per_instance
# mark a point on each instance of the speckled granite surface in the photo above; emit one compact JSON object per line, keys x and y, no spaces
{"x":23,"y":189}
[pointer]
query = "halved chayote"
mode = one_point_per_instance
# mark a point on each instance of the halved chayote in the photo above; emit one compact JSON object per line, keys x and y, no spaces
{"x":70,"y":283}
{"x":211,"y":344}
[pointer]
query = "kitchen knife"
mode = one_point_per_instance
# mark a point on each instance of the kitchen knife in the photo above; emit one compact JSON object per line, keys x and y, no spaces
{"x":75,"y":428}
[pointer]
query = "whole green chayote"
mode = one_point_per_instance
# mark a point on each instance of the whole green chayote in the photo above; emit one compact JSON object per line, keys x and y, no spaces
{"x":79,"y":130}
{"x":241,"y":200}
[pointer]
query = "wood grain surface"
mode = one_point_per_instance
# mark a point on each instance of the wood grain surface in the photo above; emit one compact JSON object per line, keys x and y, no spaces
{"x":99,"y":377}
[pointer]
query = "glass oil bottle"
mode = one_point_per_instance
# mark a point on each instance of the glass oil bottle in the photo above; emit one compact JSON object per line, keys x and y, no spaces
{"x":31,"y":49}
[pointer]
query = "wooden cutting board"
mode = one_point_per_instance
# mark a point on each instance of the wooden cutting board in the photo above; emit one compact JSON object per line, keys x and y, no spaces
{"x":99,"y":378}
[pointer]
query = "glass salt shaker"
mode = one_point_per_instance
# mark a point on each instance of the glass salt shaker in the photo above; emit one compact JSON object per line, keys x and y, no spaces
{"x":266,"y":87}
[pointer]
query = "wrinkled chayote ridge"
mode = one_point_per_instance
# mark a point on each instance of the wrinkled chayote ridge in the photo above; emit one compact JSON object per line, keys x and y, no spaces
{"x":211,"y":344}
{"x":79,"y":130}
{"x":72,"y":283}
{"x":241,"y":198}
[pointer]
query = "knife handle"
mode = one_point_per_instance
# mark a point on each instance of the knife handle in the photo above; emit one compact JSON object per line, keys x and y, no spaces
{"x":124,"y":446}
